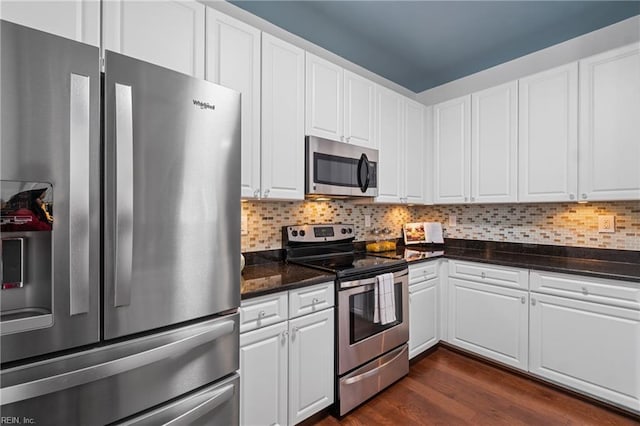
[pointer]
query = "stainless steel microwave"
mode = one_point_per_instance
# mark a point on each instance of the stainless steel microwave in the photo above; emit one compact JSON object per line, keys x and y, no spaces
{"x":340,"y":169}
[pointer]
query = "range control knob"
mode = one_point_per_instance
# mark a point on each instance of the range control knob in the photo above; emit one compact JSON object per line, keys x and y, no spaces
{"x":349,"y":230}
{"x":294,"y":233}
{"x":302,"y":232}
{"x":343,"y":230}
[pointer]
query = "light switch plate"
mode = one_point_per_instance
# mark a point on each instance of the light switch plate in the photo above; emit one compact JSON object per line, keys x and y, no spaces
{"x":606,"y":224}
{"x":244,"y":225}
{"x":367,"y":221}
{"x":453,"y":220}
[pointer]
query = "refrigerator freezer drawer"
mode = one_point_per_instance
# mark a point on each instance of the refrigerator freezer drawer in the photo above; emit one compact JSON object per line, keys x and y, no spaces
{"x":218,"y":404}
{"x":110,"y":383}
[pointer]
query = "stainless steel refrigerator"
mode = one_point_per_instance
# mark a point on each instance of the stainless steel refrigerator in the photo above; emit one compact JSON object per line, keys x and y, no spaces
{"x":120,"y":194}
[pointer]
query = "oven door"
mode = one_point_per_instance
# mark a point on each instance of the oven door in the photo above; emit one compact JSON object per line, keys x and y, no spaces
{"x":335,"y":168}
{"x":360,"y":339}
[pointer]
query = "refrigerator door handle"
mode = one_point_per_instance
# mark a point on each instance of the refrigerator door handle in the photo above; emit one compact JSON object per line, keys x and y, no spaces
{"x":79,"y":190}
{"x":124,"y":195}
{"x":81,"y":376}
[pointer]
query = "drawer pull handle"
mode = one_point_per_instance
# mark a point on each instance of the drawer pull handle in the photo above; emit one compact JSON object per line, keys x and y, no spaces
{"x":262,"y":314}
{"x":585,"y":291}
{"x":315,"y":300}
{"x":483,"y":275}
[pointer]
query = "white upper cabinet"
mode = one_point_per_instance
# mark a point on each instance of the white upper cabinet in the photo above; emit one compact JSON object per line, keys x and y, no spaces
{"x":359,"y":111}
{"x":324,"y":98}
{"x":389,"y":134}
{"x":282,"y":119}
{"x":233,"y":60}
{"x":167,"y":33}
{"x":609,"y":146}
{"x":415,"y":168}
{"x":494,"y":144}
{"x":548,"y":135}
{"x":78,"y":20}
{"x":452,"y":150}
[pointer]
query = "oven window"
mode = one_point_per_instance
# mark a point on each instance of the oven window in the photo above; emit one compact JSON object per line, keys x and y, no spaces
{"x":361,"y":323}
{"x":334,"y":170}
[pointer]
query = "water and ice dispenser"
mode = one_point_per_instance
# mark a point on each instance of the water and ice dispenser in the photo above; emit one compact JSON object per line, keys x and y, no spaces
{"x":26,"y":227}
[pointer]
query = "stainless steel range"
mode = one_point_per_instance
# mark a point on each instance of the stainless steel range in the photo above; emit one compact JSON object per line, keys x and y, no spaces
{"x":371,"y":353}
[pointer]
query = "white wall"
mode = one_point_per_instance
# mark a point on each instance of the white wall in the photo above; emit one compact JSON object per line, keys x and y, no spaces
{"x":616,"y":35}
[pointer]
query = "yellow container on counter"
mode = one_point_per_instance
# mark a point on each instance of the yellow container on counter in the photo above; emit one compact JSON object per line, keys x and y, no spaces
{"x":380,"y":246}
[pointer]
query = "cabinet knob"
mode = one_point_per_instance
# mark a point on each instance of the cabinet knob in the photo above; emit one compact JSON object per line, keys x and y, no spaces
{"x":262,"y":314}
{"x":256,"y":193}
{"x":266,"y":193}
{"x":533,"y":302}
{"x":572,"y":196}
{"x":584,"y":196}
{"x":585,"y":291}
{"x":315,"y":300}
{"x":285,"y":335}
{"x":523,"y":300}
{"x":342,"y":138}
{"x":473,"y":198}
{"x":348,"y":138}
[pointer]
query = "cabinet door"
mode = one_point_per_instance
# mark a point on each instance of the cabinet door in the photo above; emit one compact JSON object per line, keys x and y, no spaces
{"x":423,"y":316}
{"x":78,"y":20}
{"x":324,"y":98}
{"x":233,"y":60}
{"x":609,"y":126}
{"x":414,"y":168}
{"x":263,"y":375}
{"x":489,"y":320}
{"x":494,"y":144}
{"x":452,"y":150}
{"x":166,"y":33}
{"x":359,"y":110}
{"x":589,"y":347}
{"x":282,"y":119}
{"x":389,"y":134}
{"x":548,"y":135}
{"x":311,"y":364}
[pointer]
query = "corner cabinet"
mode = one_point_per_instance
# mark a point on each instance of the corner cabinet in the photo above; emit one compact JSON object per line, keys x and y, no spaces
{"x":609,"y":125}
{"x":452,"y":151}
{"x":287,"y":355}
{"x":233,"y":61}
{"x":489,"y":311}
{"x":548,"y":135}
{"x":140,"y":29}
{"x":282,"y":153}
{"x":424,"y":309}
{"x":77,"y":20}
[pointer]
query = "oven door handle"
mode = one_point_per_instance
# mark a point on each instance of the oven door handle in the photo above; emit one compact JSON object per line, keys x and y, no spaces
{"x":370,"y":281}
{"x":374,"y":371}
{"x":363,"y":185}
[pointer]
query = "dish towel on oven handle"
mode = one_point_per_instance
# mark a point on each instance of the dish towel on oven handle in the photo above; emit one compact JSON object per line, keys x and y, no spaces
{"x":384,"y":311}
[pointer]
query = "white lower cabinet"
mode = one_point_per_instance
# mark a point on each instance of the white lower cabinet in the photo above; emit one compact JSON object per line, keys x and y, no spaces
{"x":423,"y":307}
{"x":263,"y":375}
{"x":287,"y":368}
{"x":489,"y":320}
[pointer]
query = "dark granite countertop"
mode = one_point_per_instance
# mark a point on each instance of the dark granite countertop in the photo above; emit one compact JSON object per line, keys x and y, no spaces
{"x":272,"y":275}
{"x":268,"y":273}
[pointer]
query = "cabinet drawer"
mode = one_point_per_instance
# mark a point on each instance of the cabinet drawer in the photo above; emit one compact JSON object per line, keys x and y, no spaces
{"x":423,"y":272}
{"x":611,"y":292}
{"x":306,"y":300}
{"x":262,"y":311}
{"x":490,"y":274}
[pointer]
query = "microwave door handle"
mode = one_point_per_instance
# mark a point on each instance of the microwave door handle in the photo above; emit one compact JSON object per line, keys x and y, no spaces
{"x":363,"y":161}
{"x":123,"y":262}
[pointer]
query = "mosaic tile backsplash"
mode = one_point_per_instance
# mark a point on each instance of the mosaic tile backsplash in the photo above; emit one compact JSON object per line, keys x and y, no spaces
{"x":568,"y":224}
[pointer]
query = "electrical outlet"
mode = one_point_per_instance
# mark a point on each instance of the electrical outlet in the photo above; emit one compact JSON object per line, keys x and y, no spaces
{"x":607,"y":223}
{"x":244,"y":225}
{"x":452,"y":220}
{"x":367,"y":221}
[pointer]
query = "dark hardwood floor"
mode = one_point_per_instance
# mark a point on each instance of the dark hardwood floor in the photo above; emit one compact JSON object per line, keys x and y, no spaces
{"x":448,"y":388}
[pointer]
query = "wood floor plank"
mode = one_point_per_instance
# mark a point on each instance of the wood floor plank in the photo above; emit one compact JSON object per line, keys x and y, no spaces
{"x":449,"y":388}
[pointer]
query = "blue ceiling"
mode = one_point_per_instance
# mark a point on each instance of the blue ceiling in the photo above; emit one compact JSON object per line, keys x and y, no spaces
{"x":423,"y":44}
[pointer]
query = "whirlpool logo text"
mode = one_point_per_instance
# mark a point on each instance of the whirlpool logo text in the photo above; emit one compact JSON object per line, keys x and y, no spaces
{"x":203,"y":105}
